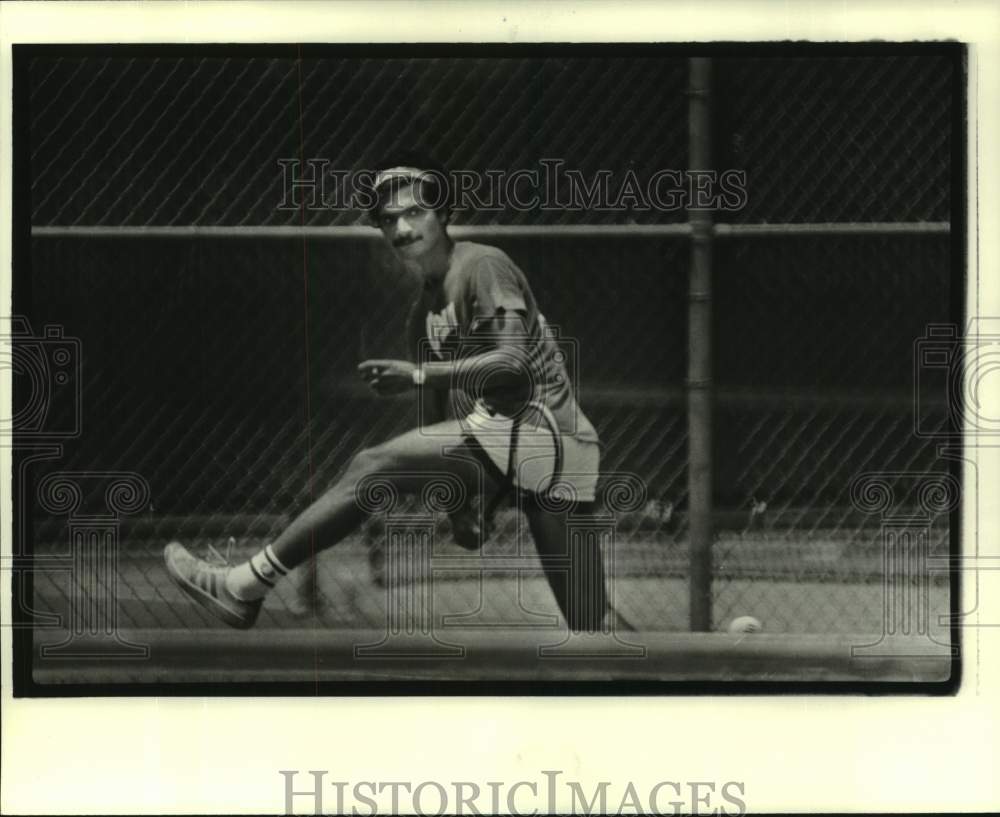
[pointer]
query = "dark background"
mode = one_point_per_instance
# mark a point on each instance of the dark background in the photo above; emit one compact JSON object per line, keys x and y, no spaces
{"x":222,"y":369}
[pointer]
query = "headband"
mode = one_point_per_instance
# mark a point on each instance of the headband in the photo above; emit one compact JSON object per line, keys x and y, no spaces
{"x":409,"y":174}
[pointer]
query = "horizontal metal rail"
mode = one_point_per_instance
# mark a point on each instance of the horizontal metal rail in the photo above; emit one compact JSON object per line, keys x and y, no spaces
{"x":679,"y":230}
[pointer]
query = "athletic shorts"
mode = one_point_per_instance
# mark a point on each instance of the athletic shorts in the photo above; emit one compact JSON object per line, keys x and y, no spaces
{"x":541,"y":455}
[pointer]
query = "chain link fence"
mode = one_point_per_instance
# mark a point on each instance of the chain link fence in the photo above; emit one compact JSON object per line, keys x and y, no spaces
{"x":221,"y":369}
{"x":837,"y":139}
{"x":143,"y":142}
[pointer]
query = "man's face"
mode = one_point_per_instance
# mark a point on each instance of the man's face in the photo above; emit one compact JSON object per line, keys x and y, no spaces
{"x":411,"y":229}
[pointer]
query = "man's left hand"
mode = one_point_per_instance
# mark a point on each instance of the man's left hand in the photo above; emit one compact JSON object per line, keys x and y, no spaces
{"x":388,"y":376}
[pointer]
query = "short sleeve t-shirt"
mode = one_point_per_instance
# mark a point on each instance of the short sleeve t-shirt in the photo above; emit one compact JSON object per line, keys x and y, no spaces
{"x":455,"y":316}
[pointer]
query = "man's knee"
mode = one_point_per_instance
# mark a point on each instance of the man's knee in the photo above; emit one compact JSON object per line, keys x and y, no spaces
{"x":377,"y":459}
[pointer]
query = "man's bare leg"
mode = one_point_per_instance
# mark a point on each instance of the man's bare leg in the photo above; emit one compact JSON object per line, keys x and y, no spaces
{"x":406,"y":463}
{"x":304,"y":600}
{"x":575,"y":570}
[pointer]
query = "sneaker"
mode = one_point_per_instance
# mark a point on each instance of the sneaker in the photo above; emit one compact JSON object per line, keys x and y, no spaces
{"x":206,"y":584}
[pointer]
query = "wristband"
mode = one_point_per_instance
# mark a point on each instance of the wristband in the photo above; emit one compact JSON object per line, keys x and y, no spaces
{"x":419,"y":376}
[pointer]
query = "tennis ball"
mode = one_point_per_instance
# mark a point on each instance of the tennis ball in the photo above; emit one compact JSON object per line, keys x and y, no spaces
{"x":745,"y":624}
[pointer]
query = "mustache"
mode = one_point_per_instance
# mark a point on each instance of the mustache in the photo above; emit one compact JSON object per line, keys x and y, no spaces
{"x":404,"y":242}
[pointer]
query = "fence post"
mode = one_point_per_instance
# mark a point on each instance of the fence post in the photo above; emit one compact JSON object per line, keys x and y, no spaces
{"x":700,"y":354}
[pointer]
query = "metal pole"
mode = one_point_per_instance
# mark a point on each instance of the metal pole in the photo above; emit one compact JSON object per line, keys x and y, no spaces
{"x":700,"y":356}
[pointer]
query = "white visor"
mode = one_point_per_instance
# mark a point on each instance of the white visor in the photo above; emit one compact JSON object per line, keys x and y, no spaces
{"x":409,"y":174}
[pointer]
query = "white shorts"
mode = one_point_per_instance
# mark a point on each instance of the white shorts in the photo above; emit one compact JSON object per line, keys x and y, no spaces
{"x":540,"y":454}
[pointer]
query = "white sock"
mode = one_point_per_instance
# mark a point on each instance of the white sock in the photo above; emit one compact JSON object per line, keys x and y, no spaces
{"x":251,"y":580}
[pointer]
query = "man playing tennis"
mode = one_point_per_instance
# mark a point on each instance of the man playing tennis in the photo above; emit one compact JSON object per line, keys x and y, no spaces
{"x":477,"y":338}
